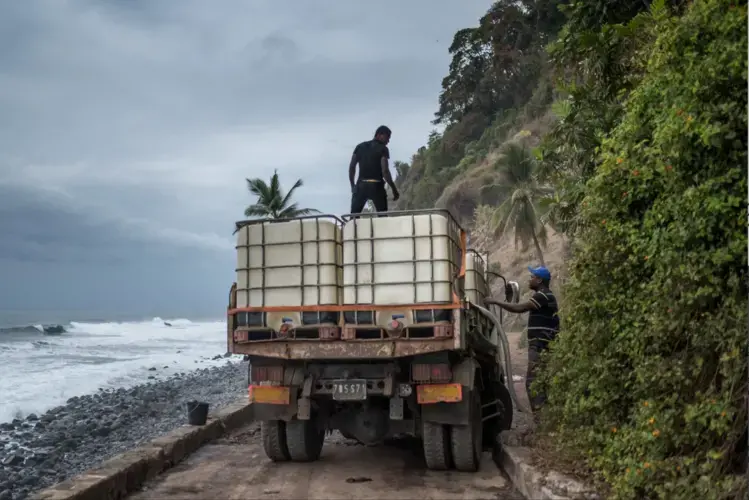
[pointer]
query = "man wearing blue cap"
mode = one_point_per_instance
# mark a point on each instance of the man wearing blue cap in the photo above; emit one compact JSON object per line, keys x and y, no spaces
{"x":543,"y":323}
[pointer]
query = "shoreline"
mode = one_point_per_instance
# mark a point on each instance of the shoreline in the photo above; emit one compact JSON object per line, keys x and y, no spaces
{"x":41,"y":450}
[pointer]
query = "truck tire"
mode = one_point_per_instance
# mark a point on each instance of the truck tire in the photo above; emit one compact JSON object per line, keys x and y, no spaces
{"x":436,"y":443}
{"x":273,"y":433}
{"x":466,"y":441}
{"x":503,"y":395}
{"x":304,"y":440}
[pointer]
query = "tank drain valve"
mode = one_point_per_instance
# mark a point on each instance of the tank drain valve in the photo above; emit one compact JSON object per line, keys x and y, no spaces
{"x":286,"y":326}
{"x":395,"y":328}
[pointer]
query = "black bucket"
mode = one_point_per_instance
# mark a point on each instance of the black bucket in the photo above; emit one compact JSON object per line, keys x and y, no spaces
{"x":197,"y":412}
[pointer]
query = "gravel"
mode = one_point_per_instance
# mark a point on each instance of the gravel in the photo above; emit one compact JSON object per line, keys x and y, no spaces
{"x":41,"y":450}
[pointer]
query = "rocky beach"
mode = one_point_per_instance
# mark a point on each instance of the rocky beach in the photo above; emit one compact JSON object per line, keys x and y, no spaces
{"x":39,"y":450}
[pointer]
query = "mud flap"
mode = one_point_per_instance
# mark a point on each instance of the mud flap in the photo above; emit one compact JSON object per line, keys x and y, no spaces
{"x":459,"y":413}
{"x":265,"y":412}
{"x":448,"y":413}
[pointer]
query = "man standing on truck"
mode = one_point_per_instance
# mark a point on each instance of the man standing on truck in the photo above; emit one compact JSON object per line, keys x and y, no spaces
{"x":543,"y":324}
{"x":372,"y":157}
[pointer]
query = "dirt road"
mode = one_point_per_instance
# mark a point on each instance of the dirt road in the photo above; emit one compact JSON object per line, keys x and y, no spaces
{"x":236,"y":468}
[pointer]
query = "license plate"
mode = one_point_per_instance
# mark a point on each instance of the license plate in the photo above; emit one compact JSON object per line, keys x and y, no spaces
{"x":269,"y":394}
{"x":349,"y":390}
{"x":439,"y":393}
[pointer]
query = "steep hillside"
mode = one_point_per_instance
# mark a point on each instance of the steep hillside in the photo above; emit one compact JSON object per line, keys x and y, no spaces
{"x":603,"y":138}
{"x":499,"y":90}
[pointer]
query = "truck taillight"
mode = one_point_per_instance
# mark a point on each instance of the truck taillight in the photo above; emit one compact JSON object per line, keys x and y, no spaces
{"x":437,"y":372}
{"x":267,"y":374}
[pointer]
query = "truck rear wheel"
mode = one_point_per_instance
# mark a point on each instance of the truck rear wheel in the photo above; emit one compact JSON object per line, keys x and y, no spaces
{"x":503,"y":395}
{"x":273,"y":433}
{"x":436,"y":442}
{"x":304,"y":440}
{"x":466,"y":441}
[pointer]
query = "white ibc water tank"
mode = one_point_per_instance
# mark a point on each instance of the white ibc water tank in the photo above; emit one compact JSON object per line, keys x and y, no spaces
{"x":400,"y":259}
{"x":290,"y":263}
{"x":476,"y":285}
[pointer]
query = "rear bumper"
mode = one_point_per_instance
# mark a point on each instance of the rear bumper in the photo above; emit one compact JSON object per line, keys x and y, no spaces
{"x":343,"y":349}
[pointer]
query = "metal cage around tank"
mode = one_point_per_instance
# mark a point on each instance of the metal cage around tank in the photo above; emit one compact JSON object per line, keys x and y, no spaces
{"x":453,"y":228}
{"x":324,"y":311}
{"x":246,"y":319}
{"x":363,"y":320}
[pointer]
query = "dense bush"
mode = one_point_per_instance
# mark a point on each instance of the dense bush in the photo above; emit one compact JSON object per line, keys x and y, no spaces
{"x":649,"y":377}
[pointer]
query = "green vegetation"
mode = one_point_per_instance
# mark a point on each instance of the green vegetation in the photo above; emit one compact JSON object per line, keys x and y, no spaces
{"x":517,"y":169}
{"x":638,"y":115}
{"x":498,"y":80}
{"x":271,"y":201}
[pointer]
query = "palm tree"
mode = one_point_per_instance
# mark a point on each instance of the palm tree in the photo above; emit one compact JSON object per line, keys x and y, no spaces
{"x":517,"y":169}
{"x":271,"y":202}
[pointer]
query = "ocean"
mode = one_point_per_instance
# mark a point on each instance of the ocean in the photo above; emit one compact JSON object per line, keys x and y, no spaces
{"x":43,"y":366}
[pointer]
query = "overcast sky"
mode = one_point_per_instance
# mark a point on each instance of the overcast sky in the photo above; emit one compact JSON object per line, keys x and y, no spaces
{"x":127,"y":128}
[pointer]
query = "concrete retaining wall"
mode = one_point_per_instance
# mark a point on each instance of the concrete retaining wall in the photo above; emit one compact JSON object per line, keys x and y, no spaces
{"x":126,"y":473}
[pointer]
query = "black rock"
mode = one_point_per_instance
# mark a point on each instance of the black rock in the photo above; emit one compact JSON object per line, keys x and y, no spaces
{"x":32,"y":417}
{"x":152,"y":369}
{"x":69,"y":445}
{"x":102,"y":431}
{"x":6,"y":495}
{"x":14,"y":459}
{"x":29,"y":480}
{"x":53,"y":329}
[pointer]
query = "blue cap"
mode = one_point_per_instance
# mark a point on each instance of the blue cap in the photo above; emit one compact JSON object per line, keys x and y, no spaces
{"x":541,"y":272}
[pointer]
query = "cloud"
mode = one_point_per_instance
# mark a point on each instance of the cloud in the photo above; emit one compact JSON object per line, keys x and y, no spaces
{"x":127,"y":128}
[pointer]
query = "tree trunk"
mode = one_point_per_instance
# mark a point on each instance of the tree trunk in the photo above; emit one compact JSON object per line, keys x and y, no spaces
{"x":539,"y":253}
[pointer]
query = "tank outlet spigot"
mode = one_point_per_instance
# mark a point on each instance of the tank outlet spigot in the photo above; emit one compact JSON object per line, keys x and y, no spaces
{"x":286,"y":326}
{"x":395,"y":327}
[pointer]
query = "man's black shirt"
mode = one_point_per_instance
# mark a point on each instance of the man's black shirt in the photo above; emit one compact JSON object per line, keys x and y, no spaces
{"x":543,"y":322}
{"x":369,"y":154}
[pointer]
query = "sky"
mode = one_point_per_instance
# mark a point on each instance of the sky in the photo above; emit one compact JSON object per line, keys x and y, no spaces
{"x":128,"y":127}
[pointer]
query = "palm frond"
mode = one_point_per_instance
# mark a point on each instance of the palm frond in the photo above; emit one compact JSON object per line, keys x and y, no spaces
{"x":306,"y":211}
{"x":287,"y":198}
{"x":259,"y":188}
{"x":271,"y":201}
{"x":293,"y":210}
{"x":516,"y":164}
{"x":275,"y":185}
{"x":256,"y":211}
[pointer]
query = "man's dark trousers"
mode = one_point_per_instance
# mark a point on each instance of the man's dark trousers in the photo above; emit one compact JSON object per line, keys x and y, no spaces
{"x":535,"y":348}
{"x":369,"y":190}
